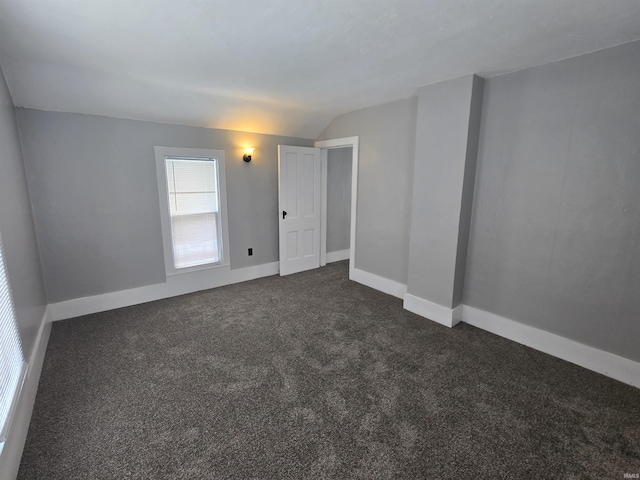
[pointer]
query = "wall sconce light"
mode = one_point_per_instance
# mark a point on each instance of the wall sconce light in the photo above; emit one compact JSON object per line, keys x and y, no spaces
{"x":247,"y":154}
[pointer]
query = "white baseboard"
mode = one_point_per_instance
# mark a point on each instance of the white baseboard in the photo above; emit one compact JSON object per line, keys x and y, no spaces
{"x":14,"y":445}
{"x":175,"y":285}
{"x":446,"y":316}
{"x":338,"y":256}
{"x":385,"y":285}
{"x":608,"y":364}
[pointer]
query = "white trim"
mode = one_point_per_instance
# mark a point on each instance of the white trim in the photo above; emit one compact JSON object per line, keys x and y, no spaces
{"x":385,"y":285}
{"x":446,"y":316}
{"x":605,"y":363}
{"x":354,"y":143}
{"x":324,"y":158}
{"x":11,"y":450}
{"x":338,"y":256}
{"x":175,"y":285}
{"x":457,"y":314}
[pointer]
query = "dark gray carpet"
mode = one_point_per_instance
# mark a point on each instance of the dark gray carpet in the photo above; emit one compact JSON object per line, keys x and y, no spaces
{"x":314,"y":376}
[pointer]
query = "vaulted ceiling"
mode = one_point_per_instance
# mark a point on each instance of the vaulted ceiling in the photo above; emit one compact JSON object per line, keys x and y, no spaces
{"x":280,"y":66}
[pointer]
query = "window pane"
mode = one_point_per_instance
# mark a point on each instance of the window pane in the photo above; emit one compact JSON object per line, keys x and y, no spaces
{"x":187,"y":203}
{"x":193,"y":208}
{"x":192,"y":175}
{"x":192,"y":186}
{"x":195,"y":239}
{"x":11,"y":359}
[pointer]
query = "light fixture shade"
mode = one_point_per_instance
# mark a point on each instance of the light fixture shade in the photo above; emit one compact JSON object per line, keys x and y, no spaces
{"x":247,"y":154}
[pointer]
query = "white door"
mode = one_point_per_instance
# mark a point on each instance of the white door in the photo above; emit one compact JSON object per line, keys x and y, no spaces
{"x":299,"y":202}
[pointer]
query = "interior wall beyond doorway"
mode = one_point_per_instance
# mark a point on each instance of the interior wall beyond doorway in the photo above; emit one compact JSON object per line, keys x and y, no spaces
{"x":338,"y":199}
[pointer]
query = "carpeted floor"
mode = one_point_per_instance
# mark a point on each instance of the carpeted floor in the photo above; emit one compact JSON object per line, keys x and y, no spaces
{"x":314,"y":376}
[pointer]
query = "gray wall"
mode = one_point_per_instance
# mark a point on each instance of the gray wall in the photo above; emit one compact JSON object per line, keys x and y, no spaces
{"x":468,"y":185}
{"x":444,"y":171}
{"x":17,"y":230}
{"x":95,"y":197}
{"x":384,"y":183}
{"x":555,"y":239}
{"x":338,"y":198}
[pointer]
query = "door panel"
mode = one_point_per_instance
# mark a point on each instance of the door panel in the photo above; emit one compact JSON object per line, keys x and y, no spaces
{"x":299,"y":197}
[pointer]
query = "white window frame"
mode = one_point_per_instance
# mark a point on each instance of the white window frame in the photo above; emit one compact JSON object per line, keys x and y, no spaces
{"x":161,"y":154}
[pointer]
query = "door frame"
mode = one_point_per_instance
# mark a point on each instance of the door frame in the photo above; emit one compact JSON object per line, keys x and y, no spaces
{"x":325,"y":146}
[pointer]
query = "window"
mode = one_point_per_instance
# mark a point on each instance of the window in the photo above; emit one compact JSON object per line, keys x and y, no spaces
{"x":193,"y":208}
{"x":11,"y":358}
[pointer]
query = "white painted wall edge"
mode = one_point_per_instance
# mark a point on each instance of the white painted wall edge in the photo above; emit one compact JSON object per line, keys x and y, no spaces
{"x":14,"y":445}
{"x":448,"y":317}
{"x":608,"y":364}
{"x":175,"y":285}
{"x":385,"y":285}
{"x":338,"y":256}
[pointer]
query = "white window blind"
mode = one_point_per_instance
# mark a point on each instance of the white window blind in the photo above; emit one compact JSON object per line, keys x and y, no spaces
{"x":192,"y":186}
{"x":11,"y":358}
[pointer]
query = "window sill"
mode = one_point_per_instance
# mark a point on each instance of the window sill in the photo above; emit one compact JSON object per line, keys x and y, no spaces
{"x":199,"y":268}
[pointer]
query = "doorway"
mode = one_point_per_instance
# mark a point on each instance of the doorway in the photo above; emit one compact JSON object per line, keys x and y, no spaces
{"x":338,"y":203}
{"x":299,"y":228}
{"x":344,"y":146}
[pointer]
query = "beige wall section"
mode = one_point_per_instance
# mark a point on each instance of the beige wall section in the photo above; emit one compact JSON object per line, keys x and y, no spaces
{"x":95,"y":197}
{"x":17,"y":228}
{"x":384,"y":183}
